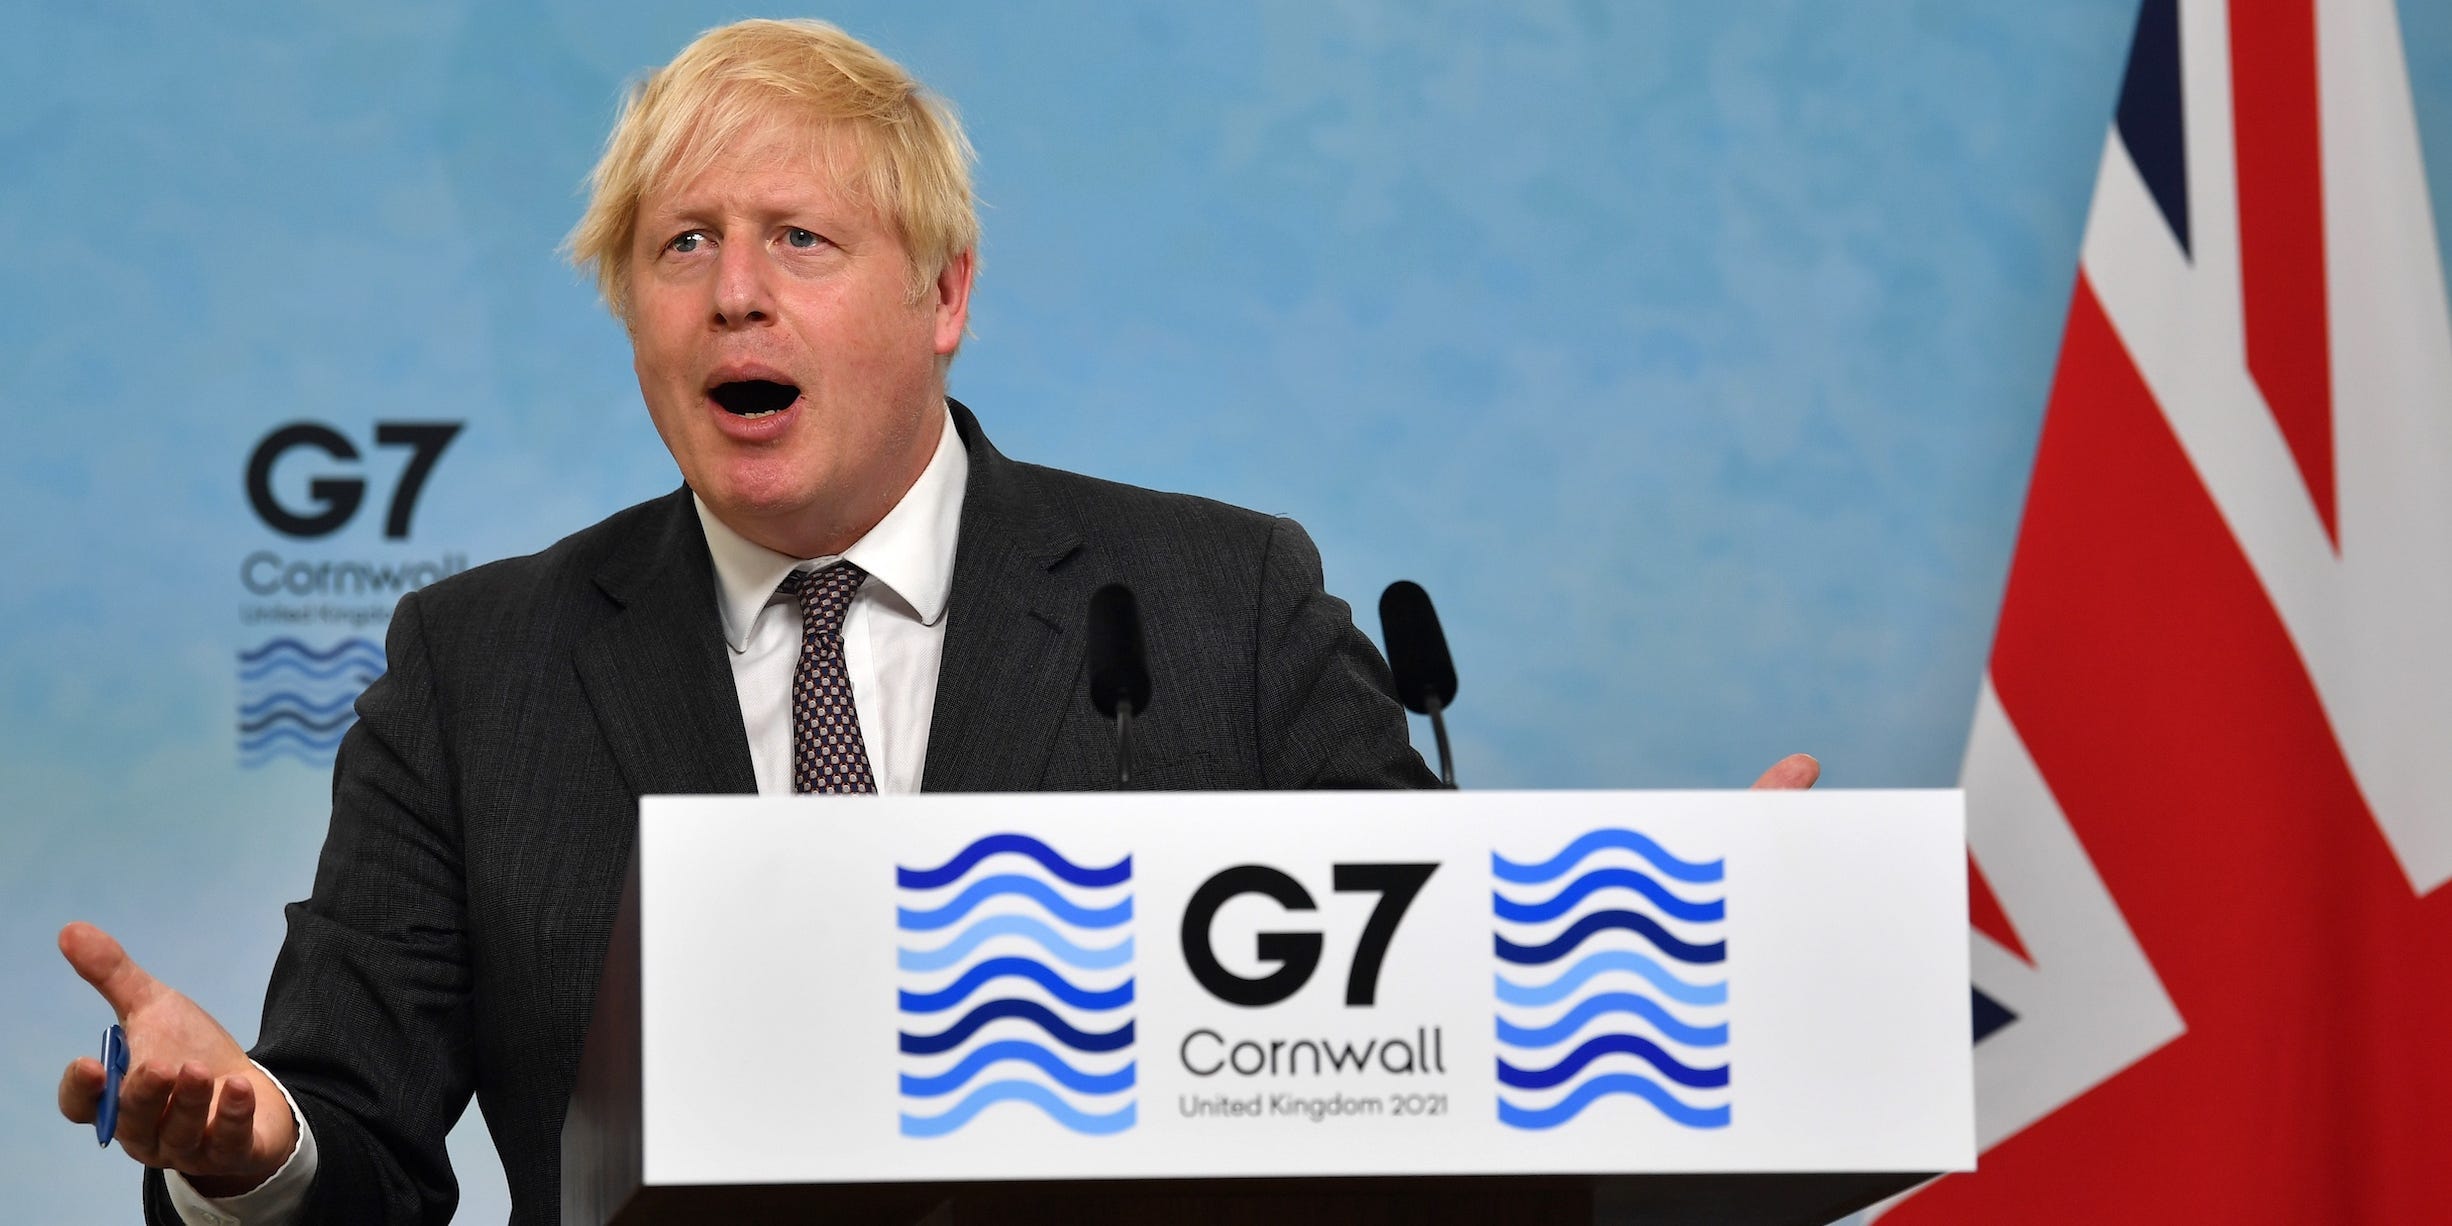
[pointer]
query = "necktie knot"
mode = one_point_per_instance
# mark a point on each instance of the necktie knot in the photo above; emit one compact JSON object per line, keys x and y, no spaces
{"x":825,"y":595}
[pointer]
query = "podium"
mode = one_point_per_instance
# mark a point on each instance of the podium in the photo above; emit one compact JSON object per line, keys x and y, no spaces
{"x":1276,"y":1009}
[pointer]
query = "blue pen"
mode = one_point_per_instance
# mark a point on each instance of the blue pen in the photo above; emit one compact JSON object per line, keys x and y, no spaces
{"x":114,"y":1067}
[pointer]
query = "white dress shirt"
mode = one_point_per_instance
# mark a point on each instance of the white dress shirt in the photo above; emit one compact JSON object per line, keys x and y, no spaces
{"x":893,"y":638}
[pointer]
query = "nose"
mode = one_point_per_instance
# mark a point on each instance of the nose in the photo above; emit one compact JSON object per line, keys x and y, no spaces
{"x":742,"y":295}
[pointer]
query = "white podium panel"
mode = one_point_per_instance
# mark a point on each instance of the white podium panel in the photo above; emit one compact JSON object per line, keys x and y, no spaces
{"x":1187,"y":986}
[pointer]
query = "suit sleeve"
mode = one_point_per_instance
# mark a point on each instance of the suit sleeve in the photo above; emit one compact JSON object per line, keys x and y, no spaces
{"x":367,"y":1017}
{"x":1325,"y":705}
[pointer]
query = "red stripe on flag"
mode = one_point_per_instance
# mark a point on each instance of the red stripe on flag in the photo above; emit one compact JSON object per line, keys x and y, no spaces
{"x":2281,"y":230}
{"x":2168,"y":712}
{"x":1984,"y":912}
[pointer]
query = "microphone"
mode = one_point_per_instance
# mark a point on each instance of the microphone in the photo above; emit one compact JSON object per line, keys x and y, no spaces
{"x":1417,"y":654}
{"x":1119,"y":668}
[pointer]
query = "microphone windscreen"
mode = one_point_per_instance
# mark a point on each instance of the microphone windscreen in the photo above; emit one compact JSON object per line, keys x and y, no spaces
{"x":1119,"y":667}
{"x":1417,"y":651}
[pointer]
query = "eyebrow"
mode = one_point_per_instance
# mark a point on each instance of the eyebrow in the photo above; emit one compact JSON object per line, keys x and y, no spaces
{"x":703,"y":212}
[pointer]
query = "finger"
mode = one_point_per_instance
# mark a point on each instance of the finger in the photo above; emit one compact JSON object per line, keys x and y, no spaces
{"x":229,"y":1141}
{"x":81,"y":1090}
{"x":1797,"y":770}
{"x":101,"y":962}
{"x":142,"y":1096}
{"x":191,"y":1096}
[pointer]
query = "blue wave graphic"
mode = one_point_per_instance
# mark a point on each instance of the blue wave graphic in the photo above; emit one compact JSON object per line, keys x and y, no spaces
{"x":910,"y":920}
{"x":1025,"y":1091}
{"x":1613,"y":1083}
{"x":1601,"y":879}
{"x":1080,"y":957}
{"x":984,"y":986}
{"x":320,"y":742}
{"x":361,"y":669}
{"x":289,"y":700}
{"x":1019,"y":844}
{"x":319,"y":721}
{"x":298,"y":720}
{"x":313,"y":697}
{"x":1047,"y":1061}
{"x":1600,"y":840}
{"x":1582,"y":902}
{"x":294,"y":647}
{"x":1513,"y":993}
{"x":1608,"y":1045}
{"x":256,"y":760}
{"x":1028,"y":1010}
{"x":1606,"y":1004}
{"x":317,"y":698}
{"x":1019,"y":968}
{"x":1604,"y":921}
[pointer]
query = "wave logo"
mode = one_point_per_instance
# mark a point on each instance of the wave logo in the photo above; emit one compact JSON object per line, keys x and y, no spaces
{"x":1611,"y":983}
{"x":1016,"y":986}
{"x":295,"y":701}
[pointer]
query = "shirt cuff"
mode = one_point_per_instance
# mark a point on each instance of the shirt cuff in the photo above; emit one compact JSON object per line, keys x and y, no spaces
{"x":274,"y":1202}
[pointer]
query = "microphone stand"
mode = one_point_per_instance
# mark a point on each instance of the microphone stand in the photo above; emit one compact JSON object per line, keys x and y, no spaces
{"x":1118,"y":667}
{"x":1438,"y":728}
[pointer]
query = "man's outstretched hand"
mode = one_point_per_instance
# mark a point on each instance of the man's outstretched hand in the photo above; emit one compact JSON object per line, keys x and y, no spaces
{"x":1797,"y":770}
{"x":191,"y":1101}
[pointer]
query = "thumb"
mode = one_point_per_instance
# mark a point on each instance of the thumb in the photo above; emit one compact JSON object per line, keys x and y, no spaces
{"x":101,"y":962}
{"x":1796,"y":771}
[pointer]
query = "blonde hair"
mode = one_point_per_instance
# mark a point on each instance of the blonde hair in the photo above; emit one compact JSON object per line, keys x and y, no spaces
{"x":914,"y":161}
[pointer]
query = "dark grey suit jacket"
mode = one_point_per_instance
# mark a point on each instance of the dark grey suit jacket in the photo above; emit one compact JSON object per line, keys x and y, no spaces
{"x":484,"y":805}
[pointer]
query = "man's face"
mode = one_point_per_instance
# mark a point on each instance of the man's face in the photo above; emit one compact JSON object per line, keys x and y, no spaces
{"x":776,"y":343}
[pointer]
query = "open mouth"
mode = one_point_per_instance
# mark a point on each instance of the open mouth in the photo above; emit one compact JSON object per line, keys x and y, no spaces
{"x":753,"y":397}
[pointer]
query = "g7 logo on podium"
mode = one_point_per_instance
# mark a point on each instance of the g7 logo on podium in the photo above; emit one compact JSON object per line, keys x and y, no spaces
{"x":1297,"y":954}
{"x":336,"y":499}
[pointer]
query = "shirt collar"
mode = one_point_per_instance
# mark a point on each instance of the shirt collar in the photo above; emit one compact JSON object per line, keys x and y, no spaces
{"x":910,"y":553}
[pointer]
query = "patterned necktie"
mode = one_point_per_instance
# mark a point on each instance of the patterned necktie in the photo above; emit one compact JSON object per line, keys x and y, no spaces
{"x":827,"y":752}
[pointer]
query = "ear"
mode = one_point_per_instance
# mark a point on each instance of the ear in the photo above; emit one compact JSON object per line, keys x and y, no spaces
{"x":952,"y":301}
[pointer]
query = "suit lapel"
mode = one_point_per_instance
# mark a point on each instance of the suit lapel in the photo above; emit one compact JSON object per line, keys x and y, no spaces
{"x":656,"y":675}
{"x":1013,"y":646}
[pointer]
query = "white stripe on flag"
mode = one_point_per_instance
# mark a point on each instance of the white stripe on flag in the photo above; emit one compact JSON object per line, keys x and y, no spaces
{"x":2090,"y":1005}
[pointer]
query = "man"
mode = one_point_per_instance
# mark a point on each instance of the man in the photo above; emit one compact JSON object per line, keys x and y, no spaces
{"x":853,"y":592}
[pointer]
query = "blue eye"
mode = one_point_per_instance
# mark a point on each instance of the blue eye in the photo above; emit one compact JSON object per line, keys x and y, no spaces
{"x":801,"y":238}
{"x":683,"y":244}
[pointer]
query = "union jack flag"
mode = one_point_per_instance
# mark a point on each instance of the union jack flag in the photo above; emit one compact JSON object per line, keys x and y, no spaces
{"x":2210,"y":776}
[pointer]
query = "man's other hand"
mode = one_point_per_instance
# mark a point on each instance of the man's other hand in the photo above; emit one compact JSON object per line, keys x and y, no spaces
{"x":1794,"y":772}
{"x":191,"y":1101}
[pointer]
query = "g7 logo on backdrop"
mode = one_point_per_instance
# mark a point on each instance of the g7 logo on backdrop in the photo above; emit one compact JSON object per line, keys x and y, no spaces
{"x":336,"y":498}
{"x":1297,"y":954}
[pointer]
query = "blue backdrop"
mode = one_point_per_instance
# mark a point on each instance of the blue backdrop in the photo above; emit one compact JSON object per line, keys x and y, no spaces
{"x":1691,"y":355}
